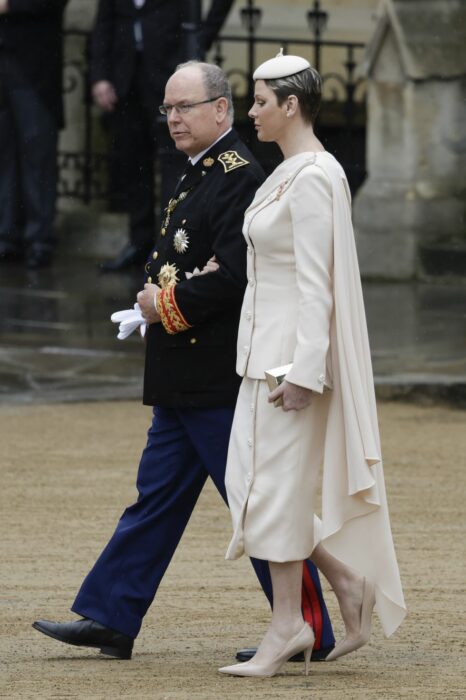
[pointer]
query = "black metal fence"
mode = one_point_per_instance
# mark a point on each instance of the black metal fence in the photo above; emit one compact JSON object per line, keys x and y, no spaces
{"x":85,"y":169}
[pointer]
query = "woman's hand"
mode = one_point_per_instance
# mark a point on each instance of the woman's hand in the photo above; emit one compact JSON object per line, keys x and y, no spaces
{"x":210,"y":266}
{"x":294,"y":397}
{"x":146,"y":301}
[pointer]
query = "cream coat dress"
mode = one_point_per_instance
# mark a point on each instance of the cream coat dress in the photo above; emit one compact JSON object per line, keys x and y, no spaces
{"x":303,"y":305}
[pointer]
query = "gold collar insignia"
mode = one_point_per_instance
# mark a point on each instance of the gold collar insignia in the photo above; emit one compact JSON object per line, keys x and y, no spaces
{"x":231,"y":160}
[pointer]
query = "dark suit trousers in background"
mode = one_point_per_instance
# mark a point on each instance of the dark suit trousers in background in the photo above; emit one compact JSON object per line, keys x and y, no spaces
{"x":28,"y":171}
{"x":141,"y":136}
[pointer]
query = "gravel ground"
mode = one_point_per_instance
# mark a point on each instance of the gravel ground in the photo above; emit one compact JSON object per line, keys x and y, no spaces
{"x":69,"y":470}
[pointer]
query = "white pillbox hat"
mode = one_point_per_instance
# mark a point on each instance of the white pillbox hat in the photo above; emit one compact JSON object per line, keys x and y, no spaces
{"x":280,"y":67}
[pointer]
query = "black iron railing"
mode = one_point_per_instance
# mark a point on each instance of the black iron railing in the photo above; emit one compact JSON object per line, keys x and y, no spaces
{"x":85,"y":171}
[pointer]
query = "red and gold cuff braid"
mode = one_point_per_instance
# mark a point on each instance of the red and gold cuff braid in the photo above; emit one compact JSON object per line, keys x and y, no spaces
{"x":172,"y":319}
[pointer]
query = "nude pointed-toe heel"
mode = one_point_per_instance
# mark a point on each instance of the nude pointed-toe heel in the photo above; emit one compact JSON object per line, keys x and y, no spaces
{"x":307,"y":658}
{"x":347,"y":645}
{"x":303,"y":641}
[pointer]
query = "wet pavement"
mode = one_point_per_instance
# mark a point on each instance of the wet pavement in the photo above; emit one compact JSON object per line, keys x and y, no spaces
{"x":57,"y":342}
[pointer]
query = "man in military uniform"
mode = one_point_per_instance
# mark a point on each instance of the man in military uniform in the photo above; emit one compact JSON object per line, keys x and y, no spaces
{"x":190,"y":374}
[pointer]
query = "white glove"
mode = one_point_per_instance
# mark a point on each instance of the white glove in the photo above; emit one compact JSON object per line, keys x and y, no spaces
{"x":129,"y":320}
{"x":195,"y":272}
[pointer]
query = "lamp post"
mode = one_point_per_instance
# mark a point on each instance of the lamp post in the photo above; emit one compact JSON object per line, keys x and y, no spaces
{"x":317,"y":21}
{"x":250,"y":19}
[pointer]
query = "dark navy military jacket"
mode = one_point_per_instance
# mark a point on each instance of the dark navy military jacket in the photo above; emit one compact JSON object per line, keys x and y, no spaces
{"x":191,"y":355}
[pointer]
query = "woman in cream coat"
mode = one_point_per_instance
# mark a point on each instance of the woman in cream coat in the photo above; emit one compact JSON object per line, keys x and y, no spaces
{"x":303,"y":307}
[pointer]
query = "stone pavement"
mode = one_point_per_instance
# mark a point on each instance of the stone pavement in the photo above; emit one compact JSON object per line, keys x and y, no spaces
{"x":57,"y":342}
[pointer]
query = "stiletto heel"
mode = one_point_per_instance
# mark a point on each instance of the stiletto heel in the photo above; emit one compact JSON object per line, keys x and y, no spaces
{"x":303,"y":641}
{"x":307,"y":660}
{"x":367,"y":605}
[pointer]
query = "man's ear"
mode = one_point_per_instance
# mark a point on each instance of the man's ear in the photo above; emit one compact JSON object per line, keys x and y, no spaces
{"x":221,"y":109}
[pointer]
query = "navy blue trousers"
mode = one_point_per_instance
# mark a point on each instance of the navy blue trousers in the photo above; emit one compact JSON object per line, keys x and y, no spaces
{"x":184,"y":447}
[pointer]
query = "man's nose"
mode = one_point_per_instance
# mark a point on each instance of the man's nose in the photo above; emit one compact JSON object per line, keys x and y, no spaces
{"x":173,"y":116}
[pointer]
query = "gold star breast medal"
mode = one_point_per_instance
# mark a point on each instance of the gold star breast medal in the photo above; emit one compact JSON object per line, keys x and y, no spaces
{"x":168,"y":276}
{"x":181,"y":241}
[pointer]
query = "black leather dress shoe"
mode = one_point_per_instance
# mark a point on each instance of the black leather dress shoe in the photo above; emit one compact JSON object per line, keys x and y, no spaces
{"x":129,"y":257}
{"x":88,"y":633}
{"x":38,"y":259}
{"x":317,"y":654}
{"x":10,"y":255}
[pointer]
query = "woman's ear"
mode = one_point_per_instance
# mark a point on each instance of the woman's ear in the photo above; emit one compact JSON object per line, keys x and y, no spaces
{"x":292,"y":105}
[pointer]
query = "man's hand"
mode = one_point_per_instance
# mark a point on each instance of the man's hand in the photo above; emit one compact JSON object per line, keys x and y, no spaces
{"x":4,"y":7}
{"x":104,"y":94}
{"x":146,"y":301}
{"x":294,"y":397}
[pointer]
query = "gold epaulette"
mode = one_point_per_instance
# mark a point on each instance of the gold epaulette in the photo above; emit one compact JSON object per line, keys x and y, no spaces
{"x":172,"y":319}
{"x":231,"y":160}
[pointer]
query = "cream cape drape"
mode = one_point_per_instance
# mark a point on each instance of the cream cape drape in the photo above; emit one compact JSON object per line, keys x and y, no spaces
{"x":355,"y":522}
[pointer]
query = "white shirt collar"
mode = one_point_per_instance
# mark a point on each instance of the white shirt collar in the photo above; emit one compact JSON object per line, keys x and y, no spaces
{"x":195,"y":159}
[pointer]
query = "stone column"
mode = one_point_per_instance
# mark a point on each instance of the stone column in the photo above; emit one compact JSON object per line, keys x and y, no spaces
{"x":414,"y":198}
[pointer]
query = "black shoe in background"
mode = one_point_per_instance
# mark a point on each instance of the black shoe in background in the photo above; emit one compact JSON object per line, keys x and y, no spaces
{"x":129,"y":257}
{"x":38,"y":259}
{"x":88,"y":633}
{"x":10,"y":255}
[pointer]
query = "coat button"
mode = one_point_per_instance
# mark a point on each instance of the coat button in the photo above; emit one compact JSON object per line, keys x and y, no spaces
{"x":248,"y":315}
{"x":249,"y":250}
{"x":321,"y":379}
{"x":155,"y":255}
{"x":193,"y":340}
{"x":149,"y":279}
{"x":250,"y":442}
{"x":251,"y":281}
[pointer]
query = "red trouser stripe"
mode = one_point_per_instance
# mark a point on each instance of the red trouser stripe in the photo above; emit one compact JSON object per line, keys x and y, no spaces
{"x":311,"y":606}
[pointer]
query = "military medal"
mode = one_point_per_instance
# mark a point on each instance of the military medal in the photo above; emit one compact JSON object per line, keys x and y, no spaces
{"x":170,"y":208}
{"x":168,"y":276}
{"x":181,"y":241}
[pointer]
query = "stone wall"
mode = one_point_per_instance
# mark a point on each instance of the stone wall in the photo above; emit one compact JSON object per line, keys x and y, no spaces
{"x":414,"y":198}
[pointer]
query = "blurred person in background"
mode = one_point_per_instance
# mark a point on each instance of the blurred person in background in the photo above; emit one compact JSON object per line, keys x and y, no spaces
{"x":136,"y":45}
{"x":31,"y":114}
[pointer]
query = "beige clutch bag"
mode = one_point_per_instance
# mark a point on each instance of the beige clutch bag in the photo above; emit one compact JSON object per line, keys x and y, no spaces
{"x":274,"y":378}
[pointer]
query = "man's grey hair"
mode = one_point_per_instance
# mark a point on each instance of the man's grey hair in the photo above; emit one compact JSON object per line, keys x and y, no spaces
{"x":215,"y":82}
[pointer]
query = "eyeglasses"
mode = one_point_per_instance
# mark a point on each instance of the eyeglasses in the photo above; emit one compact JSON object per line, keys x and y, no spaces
{"x":184,"y":108}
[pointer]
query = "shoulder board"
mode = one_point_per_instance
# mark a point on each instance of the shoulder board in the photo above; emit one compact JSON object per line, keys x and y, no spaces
{"x":231,"y":160}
